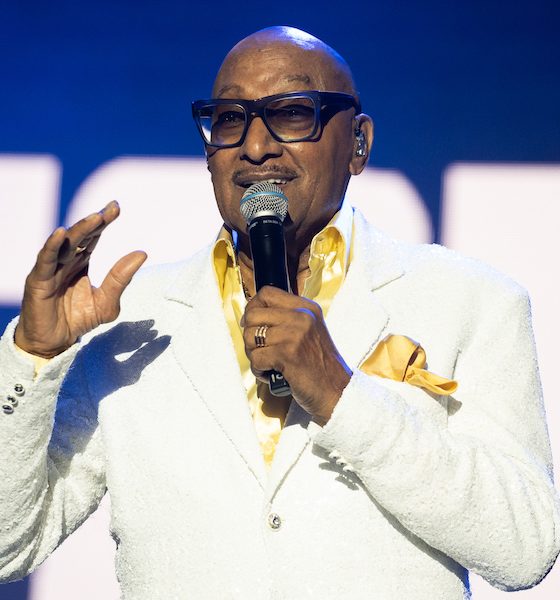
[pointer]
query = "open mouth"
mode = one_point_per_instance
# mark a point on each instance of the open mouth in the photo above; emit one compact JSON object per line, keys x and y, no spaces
{"x":247,"y":180}
{"x":248,"y":184}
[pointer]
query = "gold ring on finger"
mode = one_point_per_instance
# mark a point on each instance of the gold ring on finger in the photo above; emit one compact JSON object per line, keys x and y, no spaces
{"x":260,"y":336}
{"x":80,"y":249}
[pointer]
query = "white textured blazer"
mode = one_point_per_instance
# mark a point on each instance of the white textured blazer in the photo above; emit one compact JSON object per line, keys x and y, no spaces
{"x":396,"y":497}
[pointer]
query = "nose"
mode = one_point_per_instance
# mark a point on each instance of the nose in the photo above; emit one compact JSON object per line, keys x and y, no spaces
{"x":259,"y":145}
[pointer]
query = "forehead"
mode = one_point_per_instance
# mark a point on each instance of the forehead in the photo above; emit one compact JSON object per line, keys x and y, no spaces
{"x":263,"y":70}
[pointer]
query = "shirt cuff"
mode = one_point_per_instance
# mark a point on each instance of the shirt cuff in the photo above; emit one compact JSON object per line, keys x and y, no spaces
{"x":38,"y":361}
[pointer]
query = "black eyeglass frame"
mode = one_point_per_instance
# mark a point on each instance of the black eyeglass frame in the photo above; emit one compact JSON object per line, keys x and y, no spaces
{"x":256,"y":108}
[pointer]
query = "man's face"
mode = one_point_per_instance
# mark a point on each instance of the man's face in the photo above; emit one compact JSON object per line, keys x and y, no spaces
{"x":312,"y":174}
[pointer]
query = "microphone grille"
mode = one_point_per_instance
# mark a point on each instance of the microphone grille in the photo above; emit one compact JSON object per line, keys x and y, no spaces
{"x":264,"y":197}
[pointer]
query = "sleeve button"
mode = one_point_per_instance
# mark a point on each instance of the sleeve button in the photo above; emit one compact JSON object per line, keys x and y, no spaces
{"x":19,"y":389}
{"x":8,"y":408}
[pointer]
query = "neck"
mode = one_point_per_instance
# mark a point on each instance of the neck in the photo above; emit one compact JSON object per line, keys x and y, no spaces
{"x":298,"y":268}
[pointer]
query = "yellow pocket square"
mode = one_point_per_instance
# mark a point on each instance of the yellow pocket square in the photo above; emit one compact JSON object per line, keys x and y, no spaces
{"x":402,"y":359}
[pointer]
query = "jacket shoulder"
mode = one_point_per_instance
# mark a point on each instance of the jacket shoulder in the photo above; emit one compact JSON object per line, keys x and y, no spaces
{"x":437,"y":263}
{"x":450,"y":269}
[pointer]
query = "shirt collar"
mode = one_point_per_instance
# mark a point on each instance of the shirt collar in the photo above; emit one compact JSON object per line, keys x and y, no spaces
{"x":340,"y":227}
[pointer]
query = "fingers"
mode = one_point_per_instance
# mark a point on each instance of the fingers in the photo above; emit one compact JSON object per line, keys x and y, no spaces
{"x":47,"y":259}
{"x":285,"y":331}
{"x":83,"y":236}
{"x":274,"y":298}
{"x":266,"y":358}
{"x":259,"y":337}
{"x":266,"y":316}
{"x":288,"y":319}
{"x":73,"y":245}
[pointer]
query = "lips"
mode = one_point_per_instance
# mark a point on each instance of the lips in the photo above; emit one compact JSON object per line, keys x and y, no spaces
{"x":247,"y":178}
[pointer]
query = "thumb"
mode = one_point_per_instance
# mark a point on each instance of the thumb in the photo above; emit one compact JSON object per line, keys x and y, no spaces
{"x":115,"y":282}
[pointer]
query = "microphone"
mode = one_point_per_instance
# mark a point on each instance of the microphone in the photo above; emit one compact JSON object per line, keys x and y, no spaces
{"x":265,"y":207}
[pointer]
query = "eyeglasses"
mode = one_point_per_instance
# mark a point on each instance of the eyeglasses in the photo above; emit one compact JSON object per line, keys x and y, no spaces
{"x":290,"y":117}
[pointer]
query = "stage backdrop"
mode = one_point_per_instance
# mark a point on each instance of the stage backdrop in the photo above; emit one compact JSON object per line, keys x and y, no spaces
{"x":94,"y":105}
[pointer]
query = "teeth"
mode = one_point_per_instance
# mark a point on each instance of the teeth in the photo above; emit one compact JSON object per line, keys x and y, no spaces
{"x":276,"y":181}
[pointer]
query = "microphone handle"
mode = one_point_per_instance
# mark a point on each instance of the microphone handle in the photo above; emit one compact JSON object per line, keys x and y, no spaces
{"x":268,"y":248}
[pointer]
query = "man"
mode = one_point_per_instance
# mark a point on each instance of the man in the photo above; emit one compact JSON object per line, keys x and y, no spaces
{"x":375,"y":488}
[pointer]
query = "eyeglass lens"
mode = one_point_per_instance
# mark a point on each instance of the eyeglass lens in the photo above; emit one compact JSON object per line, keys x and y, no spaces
{"x":289,"y":118}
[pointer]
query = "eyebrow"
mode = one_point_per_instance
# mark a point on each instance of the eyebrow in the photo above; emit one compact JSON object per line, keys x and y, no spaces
{"x":227,"y":88}
{"x":233,"y":87}
{"x":297,"y":77}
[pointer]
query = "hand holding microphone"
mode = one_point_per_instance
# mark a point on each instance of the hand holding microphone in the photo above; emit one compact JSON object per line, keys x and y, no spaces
{"x":297,"y":346}
{"x":265,"y":207}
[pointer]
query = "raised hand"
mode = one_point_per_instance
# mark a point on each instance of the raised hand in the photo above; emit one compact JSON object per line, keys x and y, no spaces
{"x":59,"y":302}
{"x":299,"y":346}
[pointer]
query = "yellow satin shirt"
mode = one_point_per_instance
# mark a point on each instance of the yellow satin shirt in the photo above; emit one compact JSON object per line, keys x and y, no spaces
{"x":330,"y":256}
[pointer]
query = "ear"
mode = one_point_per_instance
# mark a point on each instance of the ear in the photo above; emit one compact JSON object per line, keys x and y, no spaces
{"x":363,"y":140}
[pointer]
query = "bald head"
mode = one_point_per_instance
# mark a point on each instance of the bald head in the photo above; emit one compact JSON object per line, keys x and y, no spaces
{"x":307,"y":60}
{"x":314,"y":169}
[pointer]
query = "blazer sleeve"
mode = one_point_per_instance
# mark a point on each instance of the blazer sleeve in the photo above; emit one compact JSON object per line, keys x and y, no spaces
{"x":52,"y":469}
{"x":478,"y":485}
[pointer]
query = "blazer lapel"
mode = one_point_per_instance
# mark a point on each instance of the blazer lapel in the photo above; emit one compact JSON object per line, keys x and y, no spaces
{"x":293,"y":441}
{"x":203,"y":348}
{"x":357,"y":318}
{"x":356,"y":321}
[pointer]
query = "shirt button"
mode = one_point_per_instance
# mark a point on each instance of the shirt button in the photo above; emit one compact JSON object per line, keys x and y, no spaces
{"x":274,"y":521}
{"x":19,"y":389}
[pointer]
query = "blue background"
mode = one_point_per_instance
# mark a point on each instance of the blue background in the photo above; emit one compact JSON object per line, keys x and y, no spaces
{"x":445,"y":81}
